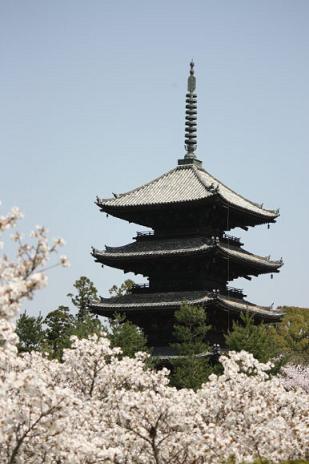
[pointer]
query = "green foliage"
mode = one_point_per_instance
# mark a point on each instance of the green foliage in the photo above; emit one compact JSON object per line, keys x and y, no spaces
{"x":86,"y":291}
{"x":87,"y":326}
{"x":190,"y":370}
{"x":30,"y":332}
{"x":190,"y":330}
{"x":292,"y":334}
{"x":127,"y":336}
{"x":288,"y":340}
{"x":53,"y":333}
{"x":85,"y":323}
{"x":60,"y":326}
{"x":254,"y":338}
{"x":123,"y":289}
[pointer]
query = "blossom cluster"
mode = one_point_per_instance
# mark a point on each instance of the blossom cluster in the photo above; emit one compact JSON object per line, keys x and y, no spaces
{"x":294,"y":377}
{"x":98,"y":407}
{"x":23,"y":274}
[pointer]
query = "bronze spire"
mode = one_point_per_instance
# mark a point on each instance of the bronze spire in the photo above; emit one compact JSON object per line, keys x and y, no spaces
{"x":191,"y":115}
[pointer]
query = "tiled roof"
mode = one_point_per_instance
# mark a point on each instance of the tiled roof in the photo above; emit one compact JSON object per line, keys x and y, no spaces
{"x":185,"y":183}
{"x":179,"y":246}
{"x":152,"y":300}
{"x":234,"y":198}
{"x":160,"y":245}
{"x":245,"y":306}
{"x":173,"y":300}
{"x":250,"y":257}
{"x":178,"y":185}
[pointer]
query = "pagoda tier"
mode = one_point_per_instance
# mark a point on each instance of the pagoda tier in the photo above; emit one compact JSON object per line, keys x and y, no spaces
{"x":154,"y":312}
{"x":146,"y":302}
{"x":190,"y":260}
{"x":187,"y":195}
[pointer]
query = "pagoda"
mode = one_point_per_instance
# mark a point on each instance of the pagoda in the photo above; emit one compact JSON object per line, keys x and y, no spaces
{"x":187,"y":255}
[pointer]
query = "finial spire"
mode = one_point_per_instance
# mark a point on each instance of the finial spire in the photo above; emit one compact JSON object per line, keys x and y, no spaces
{"x":190,"y":128}
{"x":191,"y":78}
{"x":191,"y":115}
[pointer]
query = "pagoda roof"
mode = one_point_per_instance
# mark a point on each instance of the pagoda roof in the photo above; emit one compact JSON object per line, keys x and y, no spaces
{"x":173,"y":300}
{"x":167,"y":247}
{"x":185,"y":183}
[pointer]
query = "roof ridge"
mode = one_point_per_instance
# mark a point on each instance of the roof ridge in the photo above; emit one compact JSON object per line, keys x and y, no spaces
{"x":236,"y":193}
{"x":144,"y":185}
{"x":197,"y":174}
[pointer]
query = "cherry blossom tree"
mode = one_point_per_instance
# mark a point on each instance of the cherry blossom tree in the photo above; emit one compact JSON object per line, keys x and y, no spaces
{"x":98,"y":407}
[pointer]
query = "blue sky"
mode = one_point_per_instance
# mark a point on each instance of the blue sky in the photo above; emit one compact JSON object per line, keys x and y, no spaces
{"x":92,"y":102}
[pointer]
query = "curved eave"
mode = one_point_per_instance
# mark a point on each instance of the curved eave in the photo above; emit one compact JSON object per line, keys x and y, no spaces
{"x":249,"y":258}
{"x":234,"y":199}
{"x":110,"y":257}
{"x":159,"y":301}
{"x":108,"y":207}
{"x":230,"y":304}
{"x":133,"y":303}
{"x":263,"y":216}
{"x":183,"y":185}
{"x":119,"y":255}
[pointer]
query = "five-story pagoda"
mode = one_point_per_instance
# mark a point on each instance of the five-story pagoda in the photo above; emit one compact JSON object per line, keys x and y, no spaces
{"x":187,"y":255}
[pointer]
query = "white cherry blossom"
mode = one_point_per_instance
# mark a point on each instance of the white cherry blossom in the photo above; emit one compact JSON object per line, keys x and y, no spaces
{"x":98,"y":407}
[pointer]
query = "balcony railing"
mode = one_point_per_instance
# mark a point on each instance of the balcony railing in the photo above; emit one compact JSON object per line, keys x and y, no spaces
{"x":234,"y":292}
{"x":231,"y":238}
{"x":230,"y":291}
{"x":143,"y":234}
{"x":139,"y":288}
{"x":225,"y":237}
